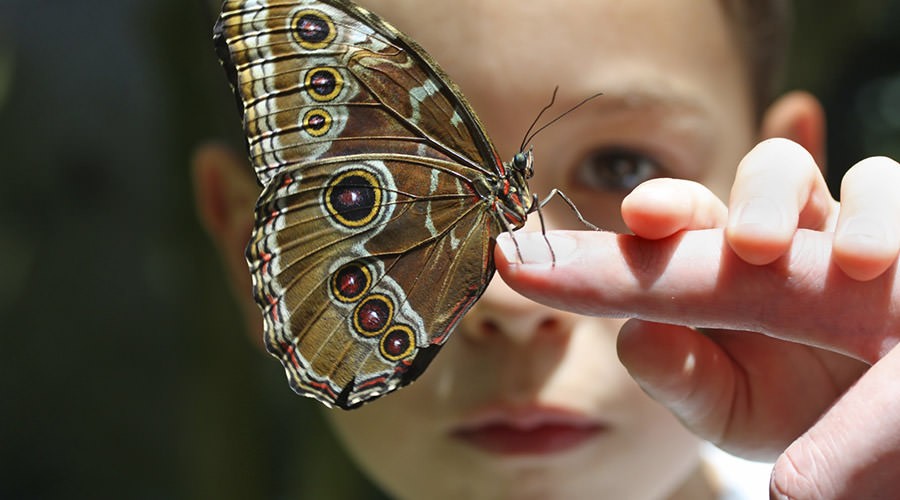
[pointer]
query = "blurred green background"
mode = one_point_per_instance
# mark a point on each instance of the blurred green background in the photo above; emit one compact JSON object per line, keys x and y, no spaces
{"x":124,"y":369}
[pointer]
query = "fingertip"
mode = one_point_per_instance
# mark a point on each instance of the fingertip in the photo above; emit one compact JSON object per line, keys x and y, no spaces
{"x":864,"y":257}
{"x":760,"y":230}
{"x":534,"y":250}
{"x":651,"y":210}
{"x":757,"y":244}
{"x":505,"y":251}
{"x":660,"y":357}
{"x":536,"y":264}
{"x":662,"y":207}
{"x":866,"y":238}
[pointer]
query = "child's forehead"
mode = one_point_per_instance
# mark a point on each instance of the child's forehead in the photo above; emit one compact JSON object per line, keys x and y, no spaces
{"x":535,"y":21}
{"x":581,"y":45}
{"x":675,"y":58}
{"x":517,"y":38}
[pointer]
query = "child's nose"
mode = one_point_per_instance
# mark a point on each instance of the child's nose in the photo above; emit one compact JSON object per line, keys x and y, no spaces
{"x":502,"y":314}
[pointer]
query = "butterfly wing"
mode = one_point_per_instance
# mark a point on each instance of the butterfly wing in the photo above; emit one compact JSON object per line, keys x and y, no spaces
{"x":373,"y":235}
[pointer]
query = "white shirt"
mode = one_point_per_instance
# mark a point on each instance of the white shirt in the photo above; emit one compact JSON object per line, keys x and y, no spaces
{"x":740,"y":479}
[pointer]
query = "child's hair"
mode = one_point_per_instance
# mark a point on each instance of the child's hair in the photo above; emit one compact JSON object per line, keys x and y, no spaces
{"x":762,"y":31}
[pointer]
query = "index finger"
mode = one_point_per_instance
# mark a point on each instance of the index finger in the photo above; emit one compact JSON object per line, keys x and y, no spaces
{"x":695,"y":279}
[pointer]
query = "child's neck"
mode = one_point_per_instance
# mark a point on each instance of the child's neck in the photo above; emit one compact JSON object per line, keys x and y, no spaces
{"x":700,"y":485}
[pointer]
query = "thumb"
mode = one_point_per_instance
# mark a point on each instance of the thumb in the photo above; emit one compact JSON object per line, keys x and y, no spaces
{"x":854,"y":450}
{"x":739,"y":390}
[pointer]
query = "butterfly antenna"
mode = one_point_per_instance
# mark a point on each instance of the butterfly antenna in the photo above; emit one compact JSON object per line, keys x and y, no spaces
{"x":558,"y":118}
{"x":538,"y":118}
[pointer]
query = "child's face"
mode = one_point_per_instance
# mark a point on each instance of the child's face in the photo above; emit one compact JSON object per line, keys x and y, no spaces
{"x":676,"y":104}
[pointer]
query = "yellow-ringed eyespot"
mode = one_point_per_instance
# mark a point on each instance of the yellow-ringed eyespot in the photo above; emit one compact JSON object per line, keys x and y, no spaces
{"x":312,"y":29}
{"x":323,"y":83}
{"x":353,"y":198}
{"x":351,"y":282}
{"x":317,"y":122}
{"x":373,"y":315}
{"x":398,"y":343}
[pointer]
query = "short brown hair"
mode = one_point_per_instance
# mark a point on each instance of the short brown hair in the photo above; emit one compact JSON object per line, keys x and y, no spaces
{"x":762,"y":29}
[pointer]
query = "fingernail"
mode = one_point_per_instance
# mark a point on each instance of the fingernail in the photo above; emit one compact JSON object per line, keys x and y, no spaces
{"x":864,"y":232}
{"x":760,"y":213}
{"x":533,"y":249}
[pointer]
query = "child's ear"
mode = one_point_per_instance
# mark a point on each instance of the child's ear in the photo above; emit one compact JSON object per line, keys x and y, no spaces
{"x":797,"y":116}
{"x":225,"y":192}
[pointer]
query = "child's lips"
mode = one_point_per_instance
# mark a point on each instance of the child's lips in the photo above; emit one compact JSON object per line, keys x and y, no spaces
{"x":533,"y":430}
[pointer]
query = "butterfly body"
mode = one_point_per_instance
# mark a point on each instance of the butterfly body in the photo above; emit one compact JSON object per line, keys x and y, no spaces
{"x":381,"y":198}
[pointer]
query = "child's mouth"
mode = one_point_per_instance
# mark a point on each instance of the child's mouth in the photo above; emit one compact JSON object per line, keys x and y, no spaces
{"x":527,"y":431}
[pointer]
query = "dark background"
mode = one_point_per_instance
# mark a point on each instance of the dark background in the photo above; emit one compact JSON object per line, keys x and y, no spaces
{"x":124,"y":368}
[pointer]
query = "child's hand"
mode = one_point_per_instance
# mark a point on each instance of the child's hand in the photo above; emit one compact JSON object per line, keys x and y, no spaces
{"x":817,"y":280}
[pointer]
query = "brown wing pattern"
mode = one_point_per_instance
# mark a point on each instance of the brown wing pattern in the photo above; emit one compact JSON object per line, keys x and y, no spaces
{"x":373,"y":234}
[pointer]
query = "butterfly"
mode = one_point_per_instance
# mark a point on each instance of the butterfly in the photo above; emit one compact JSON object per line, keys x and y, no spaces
{"x":382,"y":194}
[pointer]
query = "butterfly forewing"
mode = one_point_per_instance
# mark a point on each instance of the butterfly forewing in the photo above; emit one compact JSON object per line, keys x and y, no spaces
{"x":373,"y":232}
{"x":362,"y":83}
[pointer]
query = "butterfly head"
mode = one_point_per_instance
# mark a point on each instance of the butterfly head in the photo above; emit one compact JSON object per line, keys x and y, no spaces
{"x":523,"y":162}
{"x":512,"y":191}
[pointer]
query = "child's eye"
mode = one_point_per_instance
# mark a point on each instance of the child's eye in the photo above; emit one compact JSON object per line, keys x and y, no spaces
{"x":615,"y":169}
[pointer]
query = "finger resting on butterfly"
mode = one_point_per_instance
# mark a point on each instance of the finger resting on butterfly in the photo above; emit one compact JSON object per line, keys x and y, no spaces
{"x":535,"y":249}
{"x":694,"y":279}
{"x":661,"y":207}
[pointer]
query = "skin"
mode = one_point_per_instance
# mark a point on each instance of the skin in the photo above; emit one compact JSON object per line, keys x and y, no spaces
{"x":732,"y":242}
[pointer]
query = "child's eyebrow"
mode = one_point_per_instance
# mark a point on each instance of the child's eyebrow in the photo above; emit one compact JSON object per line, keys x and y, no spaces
{"x":644,"y":96}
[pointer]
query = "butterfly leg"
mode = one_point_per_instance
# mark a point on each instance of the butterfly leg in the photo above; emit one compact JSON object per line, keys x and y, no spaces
{"x":557,"y":192}
{"x":509,"y":229}
{"x":536,"y":203}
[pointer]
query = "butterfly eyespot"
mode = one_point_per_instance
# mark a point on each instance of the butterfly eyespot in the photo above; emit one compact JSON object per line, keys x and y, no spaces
{"x":353,"y":198}
{"x":323,"y":83}
{"x":351,"y":282}
{"x":373,"y":315}
{"x":317,"y":122}
{"x":398,"y":343}
{"x":312,"y":29}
